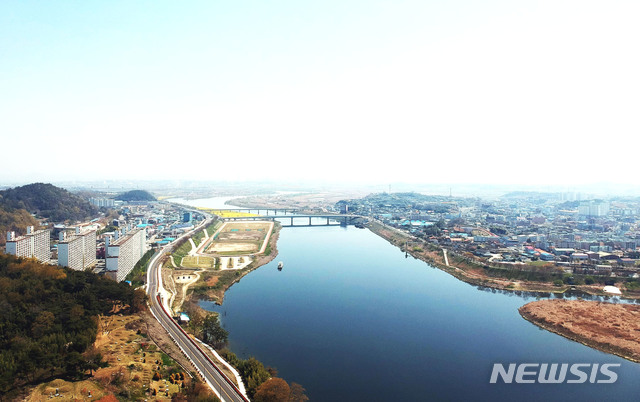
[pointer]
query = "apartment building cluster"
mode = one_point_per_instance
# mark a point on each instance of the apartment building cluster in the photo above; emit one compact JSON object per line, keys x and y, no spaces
{"x":123,"y":251}
{"x":77,"y":250}
{"x":139,"y":227}
{"x":35,"y":244}
{"x":114,"y":253}
{"x":102,"y":202}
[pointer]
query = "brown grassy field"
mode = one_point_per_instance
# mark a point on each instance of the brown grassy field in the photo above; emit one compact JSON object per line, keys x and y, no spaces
{"x":611,"y":328}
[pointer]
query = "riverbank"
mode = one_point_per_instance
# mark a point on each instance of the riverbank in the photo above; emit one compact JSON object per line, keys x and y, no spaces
{"x":228,"y":278}
{"x":610,"y":328}
{"x":435,"y":256}
{"x":252,"y":377}
{"x":474,"y":273}
{"x":212,"y":283}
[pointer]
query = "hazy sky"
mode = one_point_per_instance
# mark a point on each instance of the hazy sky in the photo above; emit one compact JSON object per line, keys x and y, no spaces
{"x":373,"y":91}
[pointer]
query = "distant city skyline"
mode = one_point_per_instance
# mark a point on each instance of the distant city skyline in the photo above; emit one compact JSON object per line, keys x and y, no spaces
{"x":373,"y":92}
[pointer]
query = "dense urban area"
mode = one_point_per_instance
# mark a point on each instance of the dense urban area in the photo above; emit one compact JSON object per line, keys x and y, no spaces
{"x":572,"y":232}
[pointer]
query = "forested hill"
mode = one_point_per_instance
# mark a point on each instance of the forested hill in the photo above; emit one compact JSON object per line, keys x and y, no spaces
{"x":47,"y":201}
{"x":136,"y":195}
{"x":48,"y":320}
{"x":14,"y":220}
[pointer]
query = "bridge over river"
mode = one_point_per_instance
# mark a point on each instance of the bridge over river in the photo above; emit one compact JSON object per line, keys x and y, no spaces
{"x":259,"y":211}
{"x":304,"y":220}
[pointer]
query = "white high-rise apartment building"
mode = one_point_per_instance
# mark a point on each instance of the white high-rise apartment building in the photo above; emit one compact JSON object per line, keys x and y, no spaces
{"x":102,"y":202}
{"x":126,"y":251}
{"x":35,"y":244}
{"x":77,"y":251}
{"x":593,"y":208}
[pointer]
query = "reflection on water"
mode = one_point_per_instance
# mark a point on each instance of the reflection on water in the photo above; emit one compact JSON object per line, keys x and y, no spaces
{"x":569,"y":295}
{"x":350,"y":318}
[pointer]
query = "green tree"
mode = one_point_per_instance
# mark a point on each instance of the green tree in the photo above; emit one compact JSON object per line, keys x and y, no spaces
{"x":253,"y":373}
{"x":432,"y":230}
{"x":49,"y":320}
{"x":212,"y":331}
{"x":93,"y":360}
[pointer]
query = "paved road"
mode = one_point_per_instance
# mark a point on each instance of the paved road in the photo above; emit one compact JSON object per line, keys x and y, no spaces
{"x":216,"y":380}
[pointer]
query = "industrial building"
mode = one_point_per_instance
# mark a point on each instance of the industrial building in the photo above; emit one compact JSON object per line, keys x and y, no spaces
{"x":78,"y":250}
{"x":35,"y":244}
{"x":125,"y":251}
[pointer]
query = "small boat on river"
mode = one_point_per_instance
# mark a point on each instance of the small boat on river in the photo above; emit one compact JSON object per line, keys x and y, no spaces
{"x":280,"y":265}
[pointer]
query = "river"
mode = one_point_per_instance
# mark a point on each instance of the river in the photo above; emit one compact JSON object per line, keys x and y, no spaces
{"x":351,"y":319}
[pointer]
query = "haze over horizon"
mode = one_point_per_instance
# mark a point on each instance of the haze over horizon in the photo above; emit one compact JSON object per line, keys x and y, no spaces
{"x":373,"y":92}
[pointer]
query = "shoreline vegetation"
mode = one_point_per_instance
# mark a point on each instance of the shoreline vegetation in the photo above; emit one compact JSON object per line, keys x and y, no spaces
{"x":478,"y":274}
{"x":261,"y":382}
{"x":607,"y":327}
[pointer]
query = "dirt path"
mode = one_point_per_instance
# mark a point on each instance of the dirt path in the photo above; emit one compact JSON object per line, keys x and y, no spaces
{"x":266,"y":239}
{"x":203,"y":245}
{"x":194,"y":249}
{"x":177,"y":302}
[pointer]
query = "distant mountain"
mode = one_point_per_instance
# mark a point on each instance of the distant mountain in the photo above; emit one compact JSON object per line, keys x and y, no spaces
{"x":47,"y":201}
{"x":136,"y":195}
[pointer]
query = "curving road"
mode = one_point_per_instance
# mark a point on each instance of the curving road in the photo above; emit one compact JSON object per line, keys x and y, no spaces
{"x":217,"y":381}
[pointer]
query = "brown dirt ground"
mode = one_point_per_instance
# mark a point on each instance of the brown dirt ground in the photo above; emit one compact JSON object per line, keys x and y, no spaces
{"x":212,"y":281}
{"x":611,"y":328}
{"x":239,"y":240}
{"x":222,"y":248}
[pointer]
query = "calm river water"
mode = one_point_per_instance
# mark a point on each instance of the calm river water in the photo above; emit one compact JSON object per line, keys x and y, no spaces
{"x":351,"y":319}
